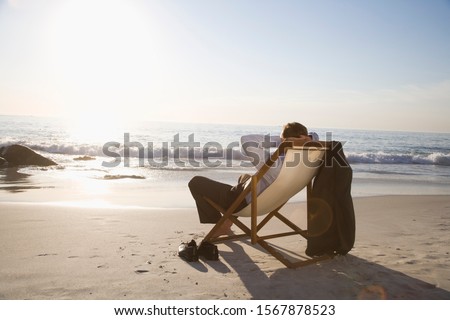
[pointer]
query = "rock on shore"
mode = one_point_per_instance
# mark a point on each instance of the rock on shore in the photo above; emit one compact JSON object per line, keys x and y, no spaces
{"x":18,"y":155}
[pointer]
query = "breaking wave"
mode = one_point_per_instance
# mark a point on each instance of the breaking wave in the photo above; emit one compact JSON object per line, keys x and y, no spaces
{"x":439,"y":159}
{"x":133,"y":152}
{"x":162,"y":153}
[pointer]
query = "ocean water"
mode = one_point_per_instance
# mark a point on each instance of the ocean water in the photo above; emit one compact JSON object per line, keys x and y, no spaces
{"x":154,"y":158}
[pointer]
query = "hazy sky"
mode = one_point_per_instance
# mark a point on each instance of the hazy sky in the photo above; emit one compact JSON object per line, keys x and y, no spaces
{"x":326,"y":63}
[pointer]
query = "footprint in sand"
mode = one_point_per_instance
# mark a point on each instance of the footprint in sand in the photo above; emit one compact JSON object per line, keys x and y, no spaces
{"x":47,"y":254}
{"x":140,"y":271}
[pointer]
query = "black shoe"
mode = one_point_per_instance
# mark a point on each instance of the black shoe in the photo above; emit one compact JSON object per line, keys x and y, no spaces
{"x":208,"y":250}
{"x":188,"y":251}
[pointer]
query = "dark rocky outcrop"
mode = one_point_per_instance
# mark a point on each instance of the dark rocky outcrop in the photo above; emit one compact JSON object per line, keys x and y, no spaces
{"x":3,"y":162}
{"x":18,"y":155}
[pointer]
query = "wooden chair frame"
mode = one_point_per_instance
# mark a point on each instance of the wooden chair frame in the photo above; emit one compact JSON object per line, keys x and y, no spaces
{"x":252,"y":231}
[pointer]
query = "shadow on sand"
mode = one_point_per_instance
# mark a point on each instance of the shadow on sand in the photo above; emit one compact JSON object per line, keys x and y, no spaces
{"x":344,"y":277}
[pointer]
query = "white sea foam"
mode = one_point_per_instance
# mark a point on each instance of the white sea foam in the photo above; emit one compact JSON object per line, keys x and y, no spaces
{"x":392,"y":158}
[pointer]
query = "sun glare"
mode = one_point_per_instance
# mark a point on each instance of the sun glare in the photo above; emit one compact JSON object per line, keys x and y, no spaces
{"x":101,"y":53}
{"x":95,"y":128}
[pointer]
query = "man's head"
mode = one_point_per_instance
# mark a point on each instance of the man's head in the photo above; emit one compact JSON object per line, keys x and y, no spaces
{"x":294,"y":130}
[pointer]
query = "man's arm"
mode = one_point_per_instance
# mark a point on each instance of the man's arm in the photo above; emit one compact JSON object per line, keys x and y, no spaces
{"x":257,"y":147}
{"x":298,"y":142}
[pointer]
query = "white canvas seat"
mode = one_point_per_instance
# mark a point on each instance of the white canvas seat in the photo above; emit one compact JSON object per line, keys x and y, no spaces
{"x":300,"y":166}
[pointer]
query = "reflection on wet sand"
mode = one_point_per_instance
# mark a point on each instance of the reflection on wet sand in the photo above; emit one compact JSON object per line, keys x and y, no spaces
{"x":14,"y":181}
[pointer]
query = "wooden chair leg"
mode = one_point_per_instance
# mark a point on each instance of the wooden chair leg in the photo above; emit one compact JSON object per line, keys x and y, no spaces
{"x":252,"y":232}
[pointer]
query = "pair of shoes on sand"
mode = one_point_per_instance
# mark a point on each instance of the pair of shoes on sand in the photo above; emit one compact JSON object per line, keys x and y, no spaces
{"x":190,"y":252}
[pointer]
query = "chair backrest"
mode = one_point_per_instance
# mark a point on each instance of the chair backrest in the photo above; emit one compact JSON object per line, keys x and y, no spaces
{"x":299,"y":168}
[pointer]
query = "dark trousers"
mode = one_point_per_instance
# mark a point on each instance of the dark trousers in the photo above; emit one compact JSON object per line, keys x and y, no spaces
{"x":221,"y":193}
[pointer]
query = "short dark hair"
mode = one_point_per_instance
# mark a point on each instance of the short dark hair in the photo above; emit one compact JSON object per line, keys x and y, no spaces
{"x":294,"y":130}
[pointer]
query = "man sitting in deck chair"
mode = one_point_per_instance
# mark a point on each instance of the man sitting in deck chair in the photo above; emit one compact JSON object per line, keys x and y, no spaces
{"x":225,"y":194}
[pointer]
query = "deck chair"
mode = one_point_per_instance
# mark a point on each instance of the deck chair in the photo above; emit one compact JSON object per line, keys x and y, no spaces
{"x":300,"y":166}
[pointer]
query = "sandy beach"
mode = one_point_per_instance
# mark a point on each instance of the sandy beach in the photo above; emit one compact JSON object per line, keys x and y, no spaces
{"x":66,"y":252}
{"x":109,"y":109}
